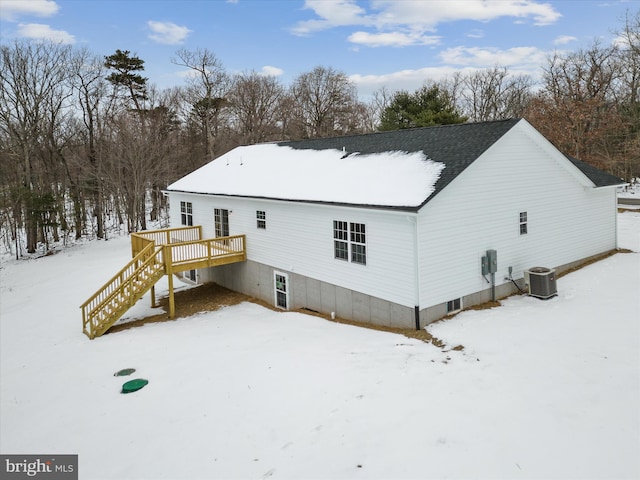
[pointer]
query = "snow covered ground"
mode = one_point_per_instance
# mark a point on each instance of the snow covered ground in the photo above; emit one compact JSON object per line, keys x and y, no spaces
{"x":542,"y":389}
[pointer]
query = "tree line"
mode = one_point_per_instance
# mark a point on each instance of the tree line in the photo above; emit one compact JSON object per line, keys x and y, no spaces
{"x":87,"y":143}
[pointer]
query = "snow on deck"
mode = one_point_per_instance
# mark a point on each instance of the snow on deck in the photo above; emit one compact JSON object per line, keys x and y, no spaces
{"x":268,"y":170}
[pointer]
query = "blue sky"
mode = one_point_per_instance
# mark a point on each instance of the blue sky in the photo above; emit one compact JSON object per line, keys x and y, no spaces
{"x":395,"y":43}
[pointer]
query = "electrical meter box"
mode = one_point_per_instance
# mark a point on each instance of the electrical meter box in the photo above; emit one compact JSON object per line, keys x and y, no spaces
{"x":492,"y":260}
{"x":484,"y":265}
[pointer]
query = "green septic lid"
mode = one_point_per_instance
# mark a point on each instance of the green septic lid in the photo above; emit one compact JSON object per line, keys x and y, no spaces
{"x":124,"y":372}
{"x":134,"y":385}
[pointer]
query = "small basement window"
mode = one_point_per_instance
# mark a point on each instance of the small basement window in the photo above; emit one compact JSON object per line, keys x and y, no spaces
{"x":454,"y":305}
{"x":261,"y":219}
{"x":523,"y":223}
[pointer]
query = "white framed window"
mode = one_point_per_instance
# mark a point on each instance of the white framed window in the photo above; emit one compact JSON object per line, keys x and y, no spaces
{"x":261,"y":219}
{"x":358,"y":243}
{"x":221,"y":221}
{"x":186,"y":213}
{"x":523,"y":223}
{"x":281,"y":289}
{"x":349,"y":241}
{"x":454,"y":305}
{"x":340,"y":240}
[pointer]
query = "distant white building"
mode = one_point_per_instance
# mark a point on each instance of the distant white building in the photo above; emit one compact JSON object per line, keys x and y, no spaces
{"x":390,"y":228}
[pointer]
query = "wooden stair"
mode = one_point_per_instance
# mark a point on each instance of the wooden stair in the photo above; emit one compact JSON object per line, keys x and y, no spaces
{"x":156,"y":253}
{"x":125,"y":288}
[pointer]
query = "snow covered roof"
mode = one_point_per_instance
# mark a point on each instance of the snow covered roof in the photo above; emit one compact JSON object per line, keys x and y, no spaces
{"x":402,"y":169}
{"x":389,"y":179}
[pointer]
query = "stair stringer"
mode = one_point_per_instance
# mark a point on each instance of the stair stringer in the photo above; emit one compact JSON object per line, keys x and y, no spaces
{"x":119,"y":294}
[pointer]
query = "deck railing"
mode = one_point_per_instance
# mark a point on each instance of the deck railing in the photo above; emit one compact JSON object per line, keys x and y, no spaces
{"x":165,"y":236}
{"x":156,"y":253}
{"x":209,"y":250}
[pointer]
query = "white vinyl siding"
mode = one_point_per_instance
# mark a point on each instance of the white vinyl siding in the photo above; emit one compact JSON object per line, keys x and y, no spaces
{"x":566,"y":220}
{"x":300,"y":240}
{"x":438,"y":250}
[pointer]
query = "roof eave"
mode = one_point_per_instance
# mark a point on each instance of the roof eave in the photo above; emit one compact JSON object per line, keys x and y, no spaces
{"x":396,"y":208}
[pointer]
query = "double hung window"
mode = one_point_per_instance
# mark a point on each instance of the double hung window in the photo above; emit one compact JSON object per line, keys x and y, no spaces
{"x":261,"y":219}
{"x":523,"y":223}
{"x":349,"y":241}
{"x":186,"y":213}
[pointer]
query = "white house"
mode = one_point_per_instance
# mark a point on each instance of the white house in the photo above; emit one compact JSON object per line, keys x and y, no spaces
{"x":390,"y":228}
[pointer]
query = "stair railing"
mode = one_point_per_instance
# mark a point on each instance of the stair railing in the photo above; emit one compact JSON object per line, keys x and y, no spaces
{"x":120,"y":285}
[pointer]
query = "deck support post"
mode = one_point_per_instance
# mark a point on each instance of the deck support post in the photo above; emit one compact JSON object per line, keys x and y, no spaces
{"x":172,"y":301}
{"x":168,"y":265}
{"x":153,"y":297}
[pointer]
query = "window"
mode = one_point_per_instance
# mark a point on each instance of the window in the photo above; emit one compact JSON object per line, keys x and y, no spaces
{"x":349,"y":242}
{"x":186,"y":213}
{"x":358,"y":248}
{"x":281,"y":290}
{"x":454,"y":305}
{"x":261,"y":219}
{"x":221,"y":221}
{"x":340,"y":244}
{"x":523,"y":223}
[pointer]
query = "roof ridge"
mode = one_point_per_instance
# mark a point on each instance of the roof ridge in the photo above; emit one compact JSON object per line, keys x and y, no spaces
{"x":401,"y":130}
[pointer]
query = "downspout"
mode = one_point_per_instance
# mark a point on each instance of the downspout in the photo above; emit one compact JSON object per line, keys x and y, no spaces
{"x":615,"y":214}
{"x":416,"y":271}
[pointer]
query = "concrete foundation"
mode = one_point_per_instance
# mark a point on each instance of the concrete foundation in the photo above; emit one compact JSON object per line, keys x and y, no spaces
{"x":257,"y":280}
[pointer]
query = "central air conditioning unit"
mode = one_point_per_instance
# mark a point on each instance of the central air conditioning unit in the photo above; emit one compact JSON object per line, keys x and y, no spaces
{"x":541,"y":282}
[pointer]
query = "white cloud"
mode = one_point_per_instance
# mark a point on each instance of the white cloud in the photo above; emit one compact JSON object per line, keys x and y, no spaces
{"x":270,"y":71}
{"x":11,"y":10}
{"x":464,"y":60}
{"x":621,"y":42}
{"x":44,"y":32}
{"x":167,"y":33}
{"x":476,"y":34}
{"x":564,"y":39}
{"x":402,"y":80}
{"x":332,"y":13}
{"x":488,"y":57}
{"x":420,"y":16}
{"x":392,"y":39}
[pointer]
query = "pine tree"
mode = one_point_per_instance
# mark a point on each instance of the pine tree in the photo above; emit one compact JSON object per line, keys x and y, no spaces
{"x":428,"y":106}
{"x":124,"y":75}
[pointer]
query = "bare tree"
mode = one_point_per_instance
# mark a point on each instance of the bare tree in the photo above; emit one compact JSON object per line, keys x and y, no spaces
{"x":206,"y":92}
{"x":628,"y":95}
{"x":494,"y":94}
{"x":90,"y":87}
{"x":576,"y":108}
{"x":33,"y":96}
{"x":323,"y":101}
{"x":255,"y":101}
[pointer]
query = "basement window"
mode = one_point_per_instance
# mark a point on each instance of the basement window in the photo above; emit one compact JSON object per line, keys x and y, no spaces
{"x":523,"y":223}
{"x":261,"y":219}
{"x":186,"y":213}
{"x":454,"y":305}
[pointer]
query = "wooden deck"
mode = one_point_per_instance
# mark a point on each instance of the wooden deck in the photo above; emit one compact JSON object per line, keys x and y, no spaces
{"x":184,"y":248}
{"x":156,"y":253}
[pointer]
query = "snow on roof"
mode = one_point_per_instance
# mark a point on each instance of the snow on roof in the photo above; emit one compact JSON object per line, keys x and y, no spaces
{"x":397,"y":179}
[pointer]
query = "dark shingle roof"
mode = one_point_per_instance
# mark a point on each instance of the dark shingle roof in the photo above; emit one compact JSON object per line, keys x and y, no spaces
{"x":457,"y":146}
{"x":597,"y":176}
